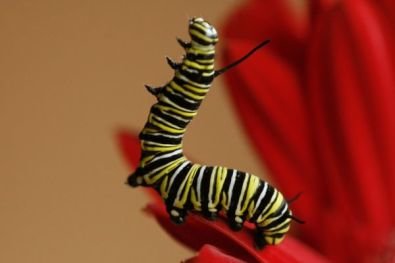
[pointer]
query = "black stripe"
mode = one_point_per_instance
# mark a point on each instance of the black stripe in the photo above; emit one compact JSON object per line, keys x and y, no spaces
{"x":193,"y":57}
{"x":176,"y":184}
{"x":272,"y":225}
{"x":199,"y":29}
{"x":180,"y":101}
{"x":236,"y":194}
{"x":205,"y":187}
{"x":256,"y":195}
{"x":182,"y":83}
{"x":160,"y":138}
{"x":243,"y":198}
{"x":197,"y":77}
{"x":226,"y":185}
{"x":152,"y":166}
{"x":179,"y":123}
{"x":171,"y":110}
{"x":264,"y":203}
{"x":202,"y":41}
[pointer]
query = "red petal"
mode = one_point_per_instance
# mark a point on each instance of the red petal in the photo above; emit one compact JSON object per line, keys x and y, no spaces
{"x":283,"y":22}
{"x":197,"y":231}
{"x":387,"y":9}
{"x":267,"y":95}
{"x":129,"y":145}
{"x":211,"y":254}
{"x":291,"y":250}
{"x":376,"y":61}
{"x":352,"y":93}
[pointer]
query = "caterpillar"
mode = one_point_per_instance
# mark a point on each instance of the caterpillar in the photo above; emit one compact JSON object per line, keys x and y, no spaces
{"x":186,"y":186}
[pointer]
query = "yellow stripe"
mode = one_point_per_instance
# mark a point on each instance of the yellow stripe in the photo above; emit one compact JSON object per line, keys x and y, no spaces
{"x":224,"y":201}
{"x":277,"y":227}
{"x":202,"y":91}
{"x":251,"y":189}
{"x":221,"y":176}
{"x":175,"y":105}
{"x":162,"y":149}
{"x":196,"y":205}
{"x":239,"y":210}
{"x":185,"y":92}
{"x":262,"y":219}
{"x":182,"y":77}
{"x":190,"y":176}
{"x":203,"y":28}
{"x":199,"y":51}
{"x":179,"y":112}
{"x":206,"y":61}
{"x":172,"y":165}
{"x":158,"y":118}
{"x":201,"y":36}
{"x":163,"y":187}
{"x":195,"y":65}
{"x":167,"y":128}
{"x":146,"y":159}
{"x":207,"y":74}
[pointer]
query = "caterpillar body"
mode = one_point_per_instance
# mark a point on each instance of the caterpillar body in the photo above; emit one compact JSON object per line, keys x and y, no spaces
{"x":184,"y":185}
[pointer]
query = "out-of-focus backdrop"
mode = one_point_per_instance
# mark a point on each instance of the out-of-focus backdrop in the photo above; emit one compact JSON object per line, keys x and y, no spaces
{"x":71,"y":74}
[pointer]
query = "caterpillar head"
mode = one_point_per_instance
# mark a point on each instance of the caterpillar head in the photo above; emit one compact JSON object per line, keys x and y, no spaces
{"x":202,"y":33}
{"x":272,"y":236}
{"x":274,"y":239}
{"x":272,"y":230}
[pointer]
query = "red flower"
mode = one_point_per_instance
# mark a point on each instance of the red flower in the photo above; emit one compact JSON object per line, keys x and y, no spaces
{"x":318,"y":105}
{"x":213,"y":239}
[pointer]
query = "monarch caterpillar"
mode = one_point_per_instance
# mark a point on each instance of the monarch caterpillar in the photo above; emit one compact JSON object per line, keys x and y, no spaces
{"x":186,"y":186}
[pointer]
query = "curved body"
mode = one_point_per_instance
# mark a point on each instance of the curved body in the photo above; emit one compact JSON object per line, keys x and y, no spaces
{"x":186,"y":186}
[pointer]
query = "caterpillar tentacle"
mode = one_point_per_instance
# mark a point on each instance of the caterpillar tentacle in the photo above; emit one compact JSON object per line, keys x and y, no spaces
{"x":153,"y":90}
{"x":174,"y":65}
{"x":183,"y":43}
{"x":186,"y":186}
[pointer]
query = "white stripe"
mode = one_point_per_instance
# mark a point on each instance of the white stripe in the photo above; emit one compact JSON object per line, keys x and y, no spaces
{"x":150,"y":143}
{"x":199,"y":183}
{"x":261,"y":196}
{"x":165,"y":122}
{"x":232,"y":184}
{"x":175,"y":116}
{"x":266,"y":208}
{"x":211,"y":187}
{"x":146,"y":176}
{"x":166,"y":155}
{"x":182,"y":186}
{"x":183,"y":97}
{"x":179,"y":169}
{"x":167,"y":100}
{"x":280,"y":215}
{"x":190,"y":70}
{"x":166,"y":135}
{"x":200,"y":85}
{"x":243,"y":189}
{"x":208,"y":74}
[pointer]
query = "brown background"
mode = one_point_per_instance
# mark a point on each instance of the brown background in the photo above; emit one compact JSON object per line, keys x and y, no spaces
{"x":71,"y":73}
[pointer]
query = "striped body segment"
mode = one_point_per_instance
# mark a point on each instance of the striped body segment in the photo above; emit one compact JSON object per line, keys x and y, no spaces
{"x":186,"y":186}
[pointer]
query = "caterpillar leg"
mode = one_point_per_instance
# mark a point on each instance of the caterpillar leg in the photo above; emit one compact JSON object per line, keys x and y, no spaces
{"x":177,"y":215}
{"x":210,"y":215}
{"x":262,"y":239}
{"x":136,"y":178}
{"x":259,"y":240}
{"x":183,"y":43}
{"x":174,"y":65}
{"x":154,"y":90}
{"x":235,"y":222}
